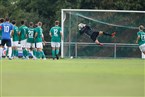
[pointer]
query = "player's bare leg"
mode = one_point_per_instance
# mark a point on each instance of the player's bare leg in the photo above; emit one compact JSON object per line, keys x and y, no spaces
{"x":104,"y":33}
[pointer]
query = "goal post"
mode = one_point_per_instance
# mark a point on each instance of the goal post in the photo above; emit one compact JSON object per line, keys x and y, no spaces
{"x":124,"y":22}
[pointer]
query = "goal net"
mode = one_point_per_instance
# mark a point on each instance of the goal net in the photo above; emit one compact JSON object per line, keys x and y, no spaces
{"x":124,"y":23}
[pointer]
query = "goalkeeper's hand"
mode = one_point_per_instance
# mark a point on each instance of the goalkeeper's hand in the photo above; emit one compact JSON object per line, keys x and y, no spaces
{"x":100,"y":44}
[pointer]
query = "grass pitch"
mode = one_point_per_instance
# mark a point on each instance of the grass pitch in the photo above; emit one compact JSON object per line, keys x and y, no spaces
{"x":73,"y":78}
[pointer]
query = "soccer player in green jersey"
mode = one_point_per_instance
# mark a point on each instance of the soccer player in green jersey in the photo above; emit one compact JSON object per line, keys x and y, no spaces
{"x":15,"y":40}
{"x":56,"y":35}
{"x":39,"y":39}
{"x":1,"y":49}
{"x":22,"y":33}
{"x":141,"y":38}
{"x":30,"y":40}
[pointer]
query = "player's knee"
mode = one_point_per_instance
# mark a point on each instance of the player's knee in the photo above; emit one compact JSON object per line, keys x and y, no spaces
{"x":100,"y":32}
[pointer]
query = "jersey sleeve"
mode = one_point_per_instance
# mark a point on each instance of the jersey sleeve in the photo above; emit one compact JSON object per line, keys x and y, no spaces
{"x":12,"y":26}
{"x":81,"y":31}
{"x":138,"y":33}
{"x":50,"y":30}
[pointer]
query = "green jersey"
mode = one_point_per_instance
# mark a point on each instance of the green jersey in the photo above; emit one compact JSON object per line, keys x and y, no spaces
{"x":23,"y":29}
{"x":55,"y":33}
{"x":142,"y":37}
{"x":30,"y":35}
{"x":39,"y":31}
{"x":15,"y":35}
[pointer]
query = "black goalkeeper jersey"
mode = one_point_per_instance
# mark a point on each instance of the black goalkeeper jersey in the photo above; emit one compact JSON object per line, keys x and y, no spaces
{"x":87,"y":30}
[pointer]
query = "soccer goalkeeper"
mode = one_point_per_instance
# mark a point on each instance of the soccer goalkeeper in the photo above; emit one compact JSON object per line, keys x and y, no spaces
{"x":83,"y":28}
{"x":141,"y":38}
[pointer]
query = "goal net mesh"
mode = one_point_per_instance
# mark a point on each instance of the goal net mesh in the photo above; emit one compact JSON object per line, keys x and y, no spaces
{"x":125,"y":24}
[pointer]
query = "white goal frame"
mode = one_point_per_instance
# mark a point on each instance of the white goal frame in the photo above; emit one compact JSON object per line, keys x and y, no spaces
{"x":63,"y":17}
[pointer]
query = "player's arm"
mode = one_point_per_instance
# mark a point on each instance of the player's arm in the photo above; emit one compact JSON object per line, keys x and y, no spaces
{"x":35,"y":35}
{"x":61,"y":35}
{"x":138,"y":38}
{"x":98,"y":43}
{"x":43,"y":37}
{"x":27,"y":33}
{"x":19,"y":33}
{"x":44,"y":42}
{"x":50,"y":34}
{"x":12,"y":31}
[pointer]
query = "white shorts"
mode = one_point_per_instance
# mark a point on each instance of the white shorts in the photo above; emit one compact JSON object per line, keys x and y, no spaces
{"x":39,"y":45}
{"x":29,"y":45}
{"x":142,"y":47}
{"x":23,"y":43}
{"x":15,"y":43}
{"x":55,"y":44}
{"x":0,"y":41}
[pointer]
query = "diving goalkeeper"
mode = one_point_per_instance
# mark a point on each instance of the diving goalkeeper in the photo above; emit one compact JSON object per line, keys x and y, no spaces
{"x":83,"y":28}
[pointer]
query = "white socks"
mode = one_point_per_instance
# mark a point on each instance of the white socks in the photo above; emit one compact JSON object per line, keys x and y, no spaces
{"x":9,"y":51}
{"x":1,"y":52}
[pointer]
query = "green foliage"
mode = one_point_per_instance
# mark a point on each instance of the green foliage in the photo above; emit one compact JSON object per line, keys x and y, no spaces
{"x":48,"y":11}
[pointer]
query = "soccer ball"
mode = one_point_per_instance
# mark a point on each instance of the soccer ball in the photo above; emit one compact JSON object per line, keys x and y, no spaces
{"x":71,"y":57}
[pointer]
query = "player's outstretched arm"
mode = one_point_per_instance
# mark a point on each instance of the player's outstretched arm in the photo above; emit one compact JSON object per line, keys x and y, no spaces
{"x":138,"y":37}
{"x":98,"y":43}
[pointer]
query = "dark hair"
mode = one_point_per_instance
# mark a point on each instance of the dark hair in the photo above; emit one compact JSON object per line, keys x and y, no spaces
{"x":7,"y":19}
{"x":56,"y":22}
{"x":36,"y":25}
{"x":13,"y":22}
{"x":22,"y":22}
{"x":31,"y":24}
{"x":141,"y":27}
{"x":1,"y":20}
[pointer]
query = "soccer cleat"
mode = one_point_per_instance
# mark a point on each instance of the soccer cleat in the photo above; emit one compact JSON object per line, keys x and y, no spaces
{"x":27,"y":58}
{"x":10,"y":58}
{"x":57,"y":57}
{"x":44,"y":58}
{"x":23,"y":57}
{"x":34,"y":58}
{"x":113,"y":34}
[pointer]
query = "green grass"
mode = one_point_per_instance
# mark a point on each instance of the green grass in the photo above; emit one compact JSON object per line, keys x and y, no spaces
{"x":73,"y":78}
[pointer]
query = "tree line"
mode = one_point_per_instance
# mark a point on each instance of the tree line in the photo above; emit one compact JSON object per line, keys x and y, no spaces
{"x":48,"y":11}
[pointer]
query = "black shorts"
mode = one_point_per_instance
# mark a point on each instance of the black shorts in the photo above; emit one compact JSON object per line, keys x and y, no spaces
{"x":7,"y":42}
{"x":94,"y":36}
